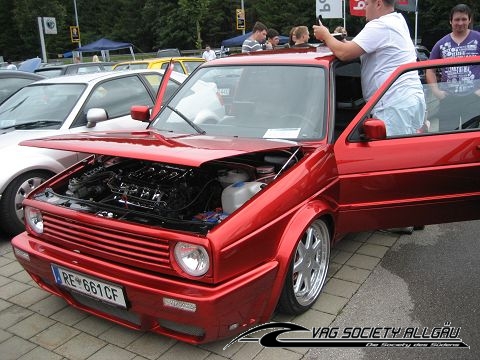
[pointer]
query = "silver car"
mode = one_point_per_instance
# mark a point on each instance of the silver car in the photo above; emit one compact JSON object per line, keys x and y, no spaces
{"x":64,"y":105}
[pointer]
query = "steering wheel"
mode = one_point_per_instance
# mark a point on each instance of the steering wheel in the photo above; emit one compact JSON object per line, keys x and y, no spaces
{"x":473,"y":123}
{"x":308,"y":125}
{"x":206,"y":117}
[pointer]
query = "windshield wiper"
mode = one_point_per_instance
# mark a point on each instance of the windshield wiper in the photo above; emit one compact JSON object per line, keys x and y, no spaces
{"x":13,"y":107}
{"x":31,"y":125}
{"x":197,"y":128}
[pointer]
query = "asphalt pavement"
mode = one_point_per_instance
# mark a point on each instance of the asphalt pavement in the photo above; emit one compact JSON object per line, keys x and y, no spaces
{"x":377,"y":279}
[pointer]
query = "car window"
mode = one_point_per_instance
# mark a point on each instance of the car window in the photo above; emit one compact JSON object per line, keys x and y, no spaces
{"x":452,"y":104}
{"x":42,"y":102}
{"x":50,"y":72}
{"x":457,"y":108}
{"x":191,"y":65}
{"x":118,"y":95}
{"x":89,"y":69}
{"x":259,"y":104}
{"x":154,"y":80}
{"x":134,"y":66}
{"x":159,"y":65}
{"x":108,"y":67}
{"x":121,"y":67}
{"x":10,"y":85}
{"x":176,"y":67}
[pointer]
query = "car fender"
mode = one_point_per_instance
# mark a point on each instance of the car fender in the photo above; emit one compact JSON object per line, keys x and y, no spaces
{"x":53,"y":161}
{"x":294,"y":230}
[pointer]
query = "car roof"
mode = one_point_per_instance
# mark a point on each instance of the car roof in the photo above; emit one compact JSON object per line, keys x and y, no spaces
{"x":105,"y":75}
{"x":81,"y":64}
{"x":162,"y":60}
{"x":20,"y":74}
{"x":298,"y":56}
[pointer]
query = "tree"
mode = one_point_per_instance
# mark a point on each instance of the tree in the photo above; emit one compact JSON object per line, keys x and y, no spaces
{"x":154,"y":24}
{"x":25,"y":14}
{"x":198,"y":10}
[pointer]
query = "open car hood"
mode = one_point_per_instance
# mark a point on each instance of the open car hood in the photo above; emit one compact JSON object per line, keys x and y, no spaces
{"x":189,"y":150}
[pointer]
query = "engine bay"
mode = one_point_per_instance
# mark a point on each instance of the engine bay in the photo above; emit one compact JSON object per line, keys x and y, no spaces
{"x":171,"y":196}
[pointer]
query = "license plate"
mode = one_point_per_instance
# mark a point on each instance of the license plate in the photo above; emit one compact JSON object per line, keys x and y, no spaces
{"x":224,"y":92}
{"x":101,"y":290}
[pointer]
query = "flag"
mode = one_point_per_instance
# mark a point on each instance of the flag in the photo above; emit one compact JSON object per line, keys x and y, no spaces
{"x":329,"y":9}
{"x":406,"y":5}
{"x":357,"y":7}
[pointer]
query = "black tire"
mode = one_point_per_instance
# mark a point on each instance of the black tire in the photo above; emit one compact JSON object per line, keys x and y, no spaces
{"x":11,"y":210}
{"x":307,"y":273}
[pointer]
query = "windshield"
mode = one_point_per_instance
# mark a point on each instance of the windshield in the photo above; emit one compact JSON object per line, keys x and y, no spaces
{"x":259,"y":101}
{"x":45,"y":105}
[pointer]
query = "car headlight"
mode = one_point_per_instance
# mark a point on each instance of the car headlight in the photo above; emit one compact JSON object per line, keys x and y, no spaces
{"x":34,"y":219}
{"x":193,"y":259}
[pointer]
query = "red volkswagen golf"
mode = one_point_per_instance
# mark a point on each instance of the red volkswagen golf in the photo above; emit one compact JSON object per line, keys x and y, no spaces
{"x":224,"y":210}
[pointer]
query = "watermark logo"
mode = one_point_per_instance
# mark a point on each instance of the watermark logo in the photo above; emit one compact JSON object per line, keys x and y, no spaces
{"x":445,"y":336}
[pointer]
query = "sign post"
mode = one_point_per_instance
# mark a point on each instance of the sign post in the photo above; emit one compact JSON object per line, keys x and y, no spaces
{"x":42,"y":39}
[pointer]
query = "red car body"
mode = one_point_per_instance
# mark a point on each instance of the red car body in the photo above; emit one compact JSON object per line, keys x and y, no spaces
{"x":328,"y":185}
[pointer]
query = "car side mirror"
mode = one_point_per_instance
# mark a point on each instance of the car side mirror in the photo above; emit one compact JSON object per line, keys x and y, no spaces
{"x":140,"y":112}
{"x":95,"y":115}
{"x":374,"y":129}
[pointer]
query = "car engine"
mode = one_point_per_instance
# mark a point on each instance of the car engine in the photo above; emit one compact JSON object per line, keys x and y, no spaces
{"x":172,"y":196}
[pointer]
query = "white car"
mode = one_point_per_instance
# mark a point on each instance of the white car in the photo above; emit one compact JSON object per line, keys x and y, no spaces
{"x":64,"y":105}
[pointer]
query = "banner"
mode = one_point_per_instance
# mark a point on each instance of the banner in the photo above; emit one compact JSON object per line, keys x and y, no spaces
{"x":240,"y":16}
{"x":406,"y":5}
{"x":75,"y":34}
{"x":329,"y":9}
{"x":357,"y":7}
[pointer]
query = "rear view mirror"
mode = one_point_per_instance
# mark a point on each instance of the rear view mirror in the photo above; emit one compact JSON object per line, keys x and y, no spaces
{"x":140,"y":112}
{"x":95,"y":115}
{"x":374,"y":129}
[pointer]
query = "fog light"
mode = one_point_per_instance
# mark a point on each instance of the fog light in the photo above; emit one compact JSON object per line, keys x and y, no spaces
{"x":178,"y":304}
{"x":22,"y":254}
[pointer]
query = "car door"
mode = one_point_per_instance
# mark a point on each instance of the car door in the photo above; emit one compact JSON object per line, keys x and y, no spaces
{"x":116,"y":96}
{"x":422,"y":178}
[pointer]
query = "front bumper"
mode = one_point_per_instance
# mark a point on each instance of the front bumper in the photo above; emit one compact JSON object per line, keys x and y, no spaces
{"x":221,"y":311}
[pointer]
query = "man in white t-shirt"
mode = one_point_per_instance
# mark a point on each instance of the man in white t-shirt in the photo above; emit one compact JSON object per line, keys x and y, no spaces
{"x":209,"y":54}
{"x":11,"y":66}
{"x":383,"y":45}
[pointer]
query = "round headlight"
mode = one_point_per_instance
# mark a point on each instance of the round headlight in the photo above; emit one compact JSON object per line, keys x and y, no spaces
{"x":193,"y":259}
{"x":34,"y":219}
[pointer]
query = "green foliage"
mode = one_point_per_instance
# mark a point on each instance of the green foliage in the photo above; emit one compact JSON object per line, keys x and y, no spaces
{"x":183,"y":24}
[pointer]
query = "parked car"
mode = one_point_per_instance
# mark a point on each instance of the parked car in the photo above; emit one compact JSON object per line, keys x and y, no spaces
{"x":169,"y":53}
{"x":184,"y":65}
{"x":224,"y":211}
{"x":12,"y":80}
{"x":222,"y":52}
{"x":64,"y":105}
{"x":74,"y":69}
